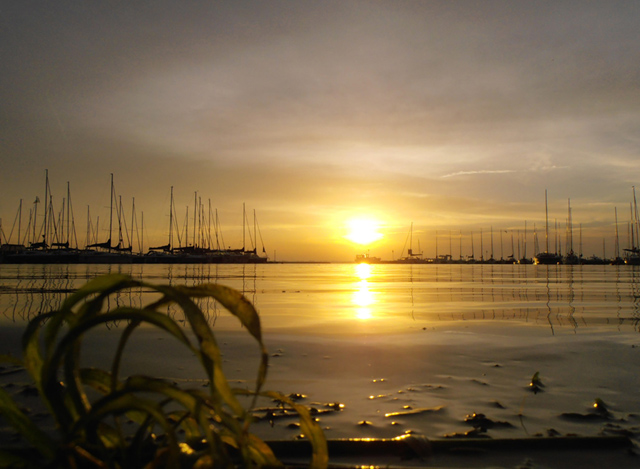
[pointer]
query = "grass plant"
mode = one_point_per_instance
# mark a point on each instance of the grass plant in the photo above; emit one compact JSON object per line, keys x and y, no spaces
{"x":174,"y":427}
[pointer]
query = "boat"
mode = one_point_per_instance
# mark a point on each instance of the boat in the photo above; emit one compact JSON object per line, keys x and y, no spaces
{"x":411,"y":257}
{"x":546,"y":257}
{"x":367,"y":259}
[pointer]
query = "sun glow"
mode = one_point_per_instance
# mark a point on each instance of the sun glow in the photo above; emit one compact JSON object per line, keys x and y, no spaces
{"x":363,"y":298}
{"x":363,"y":231}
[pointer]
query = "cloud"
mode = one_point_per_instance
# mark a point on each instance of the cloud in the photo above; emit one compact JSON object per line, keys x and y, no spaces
{"x":482,"y":171}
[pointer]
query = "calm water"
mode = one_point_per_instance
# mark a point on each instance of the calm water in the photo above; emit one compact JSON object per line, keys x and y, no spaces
{"x":451,"y":340}
{"x":349,"y":298}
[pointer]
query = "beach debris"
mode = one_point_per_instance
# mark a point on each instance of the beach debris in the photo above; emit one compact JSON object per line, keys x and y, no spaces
{"x":364,"y":423}
{"x":497,"y":405}
{"x":9,"y":370}
{"x":598,"y":412}
{"x":482,"y":423}
{"x":552,"y":432}
{"x":481,"y":383}
{"x":29,"y":391}
{"x":611,"y":428}
{"x":536,"y":386}
{"x":281,"y":411}
{"x":335,"y":405}
{"x":409,"y":411}
{"x":475,"y":433}
{"x":600,"y":407}
{"x":381,"y":380}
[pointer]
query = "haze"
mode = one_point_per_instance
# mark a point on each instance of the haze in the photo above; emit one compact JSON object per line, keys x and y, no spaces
{"x":453,"y":116}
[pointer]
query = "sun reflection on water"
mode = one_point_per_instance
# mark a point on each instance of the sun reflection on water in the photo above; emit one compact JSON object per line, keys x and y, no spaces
{"x":363,"y":297}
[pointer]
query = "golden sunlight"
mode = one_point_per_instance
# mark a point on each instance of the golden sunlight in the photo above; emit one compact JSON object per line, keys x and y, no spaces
{"x":363,"y":232}
{"x":363,"y":271}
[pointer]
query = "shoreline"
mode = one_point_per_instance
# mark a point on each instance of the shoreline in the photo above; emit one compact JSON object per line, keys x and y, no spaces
{"x":427,"y":383}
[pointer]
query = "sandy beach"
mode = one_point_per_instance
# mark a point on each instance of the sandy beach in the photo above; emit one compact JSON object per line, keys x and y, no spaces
{"x":430,"y":382}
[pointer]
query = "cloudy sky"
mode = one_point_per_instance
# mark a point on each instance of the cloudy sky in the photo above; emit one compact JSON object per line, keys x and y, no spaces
{"x":453,"y":116}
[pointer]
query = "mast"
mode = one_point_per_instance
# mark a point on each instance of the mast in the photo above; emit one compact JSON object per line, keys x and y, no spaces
{"x":68,"y":213}
{"x":195,"y":217}
{"x":546,"y":221}
{"x":35,"y":213}
{"x":243,"y":227}
{"x":171,"y":220}
{"x":436,"y":242}
{"x":88,"y":227}
{"x":473,"y":255}
{"x":111,"y":214}
{"x":46,"y":198}
{"x":133,"y":214}
{"x":19,"y":220}
{"x":617,"y":245}
{"x":635,"y":219}
{"x":491,"y":243}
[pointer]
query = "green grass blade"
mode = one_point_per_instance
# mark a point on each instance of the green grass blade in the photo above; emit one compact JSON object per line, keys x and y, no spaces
{"x":23,"y":425}
{"x":103,"y":285}
{"x":210,"y":353}
{"x":310,"y":428}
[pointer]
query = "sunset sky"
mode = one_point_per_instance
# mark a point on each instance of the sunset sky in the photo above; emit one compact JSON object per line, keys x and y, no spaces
{"x":453,"y":116}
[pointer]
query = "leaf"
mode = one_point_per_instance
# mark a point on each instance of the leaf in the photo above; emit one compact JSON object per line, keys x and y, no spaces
{"x":23,"y":425}
{"x":310,"y":428}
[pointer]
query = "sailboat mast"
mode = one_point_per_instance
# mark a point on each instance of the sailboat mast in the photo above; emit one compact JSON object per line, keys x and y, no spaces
{"x":635,"y":219}
{"x":35,"y":214}
{"x":546,"y":222}
{"x":46,"y":199}
{"x":195,"y":217}
{"x":133,"y":217}
{"x":171,"y":220}
{"x":19,"y":220}
{"x":617,"y":247}
{"x":436,"y":245}
{"x":69,"y":213}
{"x":473,"y":253}
{"x":111,"y":213}
{"x":243,"y":226}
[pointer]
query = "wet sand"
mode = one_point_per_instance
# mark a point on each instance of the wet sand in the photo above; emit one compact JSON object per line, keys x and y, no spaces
{"x":428,"y":382}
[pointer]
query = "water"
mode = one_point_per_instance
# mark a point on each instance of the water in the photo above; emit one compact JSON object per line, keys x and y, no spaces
{"x":352,"y":299}
{"x":448,"y":340}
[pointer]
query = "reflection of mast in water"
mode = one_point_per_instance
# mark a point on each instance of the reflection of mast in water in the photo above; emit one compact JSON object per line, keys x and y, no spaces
{"x":634,"y":293}
{"x":549,"y":300}
{"x":571,"y":298}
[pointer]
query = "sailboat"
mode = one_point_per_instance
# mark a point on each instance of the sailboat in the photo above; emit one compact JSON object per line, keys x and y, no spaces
{"x":547,"y":257}
{"x":570,"y":257}
{"x":411,"y":257}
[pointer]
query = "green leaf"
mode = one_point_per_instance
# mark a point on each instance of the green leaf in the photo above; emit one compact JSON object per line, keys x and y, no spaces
{"x":310,"y":429}
{"x":23,"y":425}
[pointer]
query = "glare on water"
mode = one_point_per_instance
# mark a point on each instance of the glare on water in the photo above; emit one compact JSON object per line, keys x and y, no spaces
{"x":341,"y":298}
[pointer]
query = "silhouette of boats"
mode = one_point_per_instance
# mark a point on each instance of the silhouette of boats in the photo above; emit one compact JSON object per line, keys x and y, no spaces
{"x":547,"y":257}
{"x":52,"y":246}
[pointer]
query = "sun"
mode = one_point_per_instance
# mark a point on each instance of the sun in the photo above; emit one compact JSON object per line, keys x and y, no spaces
{"x":363,"y":232}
